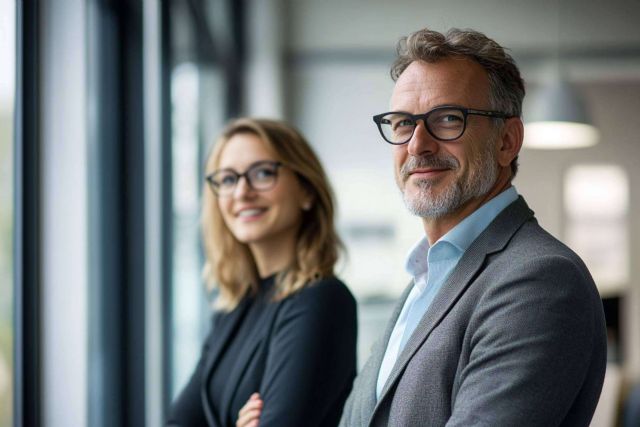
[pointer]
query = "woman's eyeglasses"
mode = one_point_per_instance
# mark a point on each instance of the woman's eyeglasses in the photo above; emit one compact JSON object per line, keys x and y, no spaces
{"x":260,"y":176}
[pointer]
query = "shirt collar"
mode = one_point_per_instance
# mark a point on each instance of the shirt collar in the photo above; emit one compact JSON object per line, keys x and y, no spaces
{"x":468,"y":230}
{"x":416,"y":262}
{"x":463,"y":234}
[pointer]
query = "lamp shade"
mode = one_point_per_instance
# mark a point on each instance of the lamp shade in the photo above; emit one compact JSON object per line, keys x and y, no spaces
{"x":558,"y":119}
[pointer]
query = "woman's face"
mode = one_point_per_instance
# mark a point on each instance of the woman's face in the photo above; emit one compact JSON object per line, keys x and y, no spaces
{"x":267,"y":217}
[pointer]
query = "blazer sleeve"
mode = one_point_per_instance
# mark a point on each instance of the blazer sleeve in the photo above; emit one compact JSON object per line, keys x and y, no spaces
{"x":534,"y":338}
{"x":312,"y":358}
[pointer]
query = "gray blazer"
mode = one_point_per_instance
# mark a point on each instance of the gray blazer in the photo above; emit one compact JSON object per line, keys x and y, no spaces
{"x":515,"y":337}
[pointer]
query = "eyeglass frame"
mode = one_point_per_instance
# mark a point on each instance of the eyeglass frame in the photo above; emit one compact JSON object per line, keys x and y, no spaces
{"x":424,"y":117}
{"x":212,"y":185}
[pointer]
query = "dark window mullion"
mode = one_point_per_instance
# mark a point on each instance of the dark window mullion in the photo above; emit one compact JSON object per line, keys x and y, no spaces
{"x":27,"y":220}
{"x":167,"y":202}
{"x":116,"y":158}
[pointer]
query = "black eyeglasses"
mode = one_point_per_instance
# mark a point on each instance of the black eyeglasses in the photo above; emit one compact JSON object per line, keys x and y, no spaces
{"x":444,"y":123}
{"x":260,"y":176}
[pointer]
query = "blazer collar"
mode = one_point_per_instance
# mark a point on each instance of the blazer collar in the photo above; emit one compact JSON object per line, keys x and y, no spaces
{"x":256,"y":337}
{"x":491,"y":240}
{"x":220,"y":336}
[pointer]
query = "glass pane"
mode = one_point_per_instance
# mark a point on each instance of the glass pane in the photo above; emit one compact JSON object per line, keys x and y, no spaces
{"x":197,"y":95}
{"x":187,"y":292}
{"x":7,"y":89}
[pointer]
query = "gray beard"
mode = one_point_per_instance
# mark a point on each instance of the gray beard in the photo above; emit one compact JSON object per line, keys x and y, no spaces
{"x":427,"y":204}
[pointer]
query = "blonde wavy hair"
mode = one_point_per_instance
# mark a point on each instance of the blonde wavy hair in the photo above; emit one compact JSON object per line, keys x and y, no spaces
{"x":229,"y":264}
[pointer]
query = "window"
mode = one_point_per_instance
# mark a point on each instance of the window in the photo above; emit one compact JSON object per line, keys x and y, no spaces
{"x":198,"y":112}
{"x":188,"y":294}
{"x":7,"y":88}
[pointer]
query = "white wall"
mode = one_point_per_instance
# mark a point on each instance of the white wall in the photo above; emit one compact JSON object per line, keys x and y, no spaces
{"x":519,"y":24}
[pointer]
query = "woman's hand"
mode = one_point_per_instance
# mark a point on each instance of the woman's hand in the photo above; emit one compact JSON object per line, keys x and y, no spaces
{"x":249,"y":415}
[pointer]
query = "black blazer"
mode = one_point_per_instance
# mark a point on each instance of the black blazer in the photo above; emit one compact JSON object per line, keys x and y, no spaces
{"x":301,"y":358}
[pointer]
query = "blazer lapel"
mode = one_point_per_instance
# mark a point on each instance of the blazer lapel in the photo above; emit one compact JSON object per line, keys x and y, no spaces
{"x":261,"y":329}
{"x":221,"y":334}
{"x":493,"y":239}
{"x":370,"y":372}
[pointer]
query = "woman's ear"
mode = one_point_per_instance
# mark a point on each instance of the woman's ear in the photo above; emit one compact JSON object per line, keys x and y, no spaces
{"x":308,"y":197}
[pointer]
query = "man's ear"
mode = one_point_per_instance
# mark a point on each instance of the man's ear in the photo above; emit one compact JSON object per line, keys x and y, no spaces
{"x":510,"y":141}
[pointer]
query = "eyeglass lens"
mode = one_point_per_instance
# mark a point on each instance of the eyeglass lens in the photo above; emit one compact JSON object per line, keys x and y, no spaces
{"x":444,"y":124}
{"x":260,"y":177}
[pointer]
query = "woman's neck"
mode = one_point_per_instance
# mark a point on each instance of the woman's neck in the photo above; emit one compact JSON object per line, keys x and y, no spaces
{"x":273,"y":256}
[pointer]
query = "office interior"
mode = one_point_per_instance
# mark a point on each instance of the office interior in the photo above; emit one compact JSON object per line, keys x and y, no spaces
{"x":108,"y":110}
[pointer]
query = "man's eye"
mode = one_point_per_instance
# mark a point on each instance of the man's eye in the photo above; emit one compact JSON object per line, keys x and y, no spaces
{"x":403,"y":123}
{"x":446,"y":120}
{"x":451,"y":118}
{"x":446,"y":117}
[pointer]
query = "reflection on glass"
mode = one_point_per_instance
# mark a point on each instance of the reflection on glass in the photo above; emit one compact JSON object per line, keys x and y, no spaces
{"x":7,"y":88}
{"x":188,"y":292}
{"x":196,"y":118}
{"x":198,"y":91}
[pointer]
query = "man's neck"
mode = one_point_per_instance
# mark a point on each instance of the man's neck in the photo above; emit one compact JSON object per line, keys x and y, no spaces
{"x":435,"y":228}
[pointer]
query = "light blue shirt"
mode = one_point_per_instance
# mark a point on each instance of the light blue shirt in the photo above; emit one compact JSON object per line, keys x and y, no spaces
{"x":430,"y":267}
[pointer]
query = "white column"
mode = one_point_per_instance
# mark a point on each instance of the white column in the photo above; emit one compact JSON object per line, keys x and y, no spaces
{"x":153,"y":211}
{"x":65,"y":213}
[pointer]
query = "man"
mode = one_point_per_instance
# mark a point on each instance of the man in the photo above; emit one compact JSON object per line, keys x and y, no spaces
{"x":502,"y":324}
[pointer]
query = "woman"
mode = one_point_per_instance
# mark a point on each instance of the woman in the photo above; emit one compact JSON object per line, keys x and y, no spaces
{"x":282,"y":348}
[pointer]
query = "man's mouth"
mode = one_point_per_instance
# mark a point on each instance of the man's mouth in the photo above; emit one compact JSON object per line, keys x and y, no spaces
{"x":427,"y":167}
{"x":425,"y":173}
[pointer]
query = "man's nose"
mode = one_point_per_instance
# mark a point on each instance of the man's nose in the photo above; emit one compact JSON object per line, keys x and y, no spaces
{"x":422,"y":142}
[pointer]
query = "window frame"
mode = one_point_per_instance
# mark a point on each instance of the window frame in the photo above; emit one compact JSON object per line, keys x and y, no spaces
{"x":27,"y":378}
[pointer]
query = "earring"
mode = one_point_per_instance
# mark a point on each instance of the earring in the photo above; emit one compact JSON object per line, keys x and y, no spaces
{"x":306,"y":206}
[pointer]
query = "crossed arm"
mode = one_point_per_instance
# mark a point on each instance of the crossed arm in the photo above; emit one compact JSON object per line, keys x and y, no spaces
{"x":311,"y":362}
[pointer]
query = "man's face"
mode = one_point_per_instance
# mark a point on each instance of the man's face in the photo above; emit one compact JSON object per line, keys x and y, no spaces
{"x":438,"y":178}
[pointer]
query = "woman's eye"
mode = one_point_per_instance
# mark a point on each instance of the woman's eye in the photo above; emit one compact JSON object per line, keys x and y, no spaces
{"x":264,"y":173}
{"x":227,"y":180}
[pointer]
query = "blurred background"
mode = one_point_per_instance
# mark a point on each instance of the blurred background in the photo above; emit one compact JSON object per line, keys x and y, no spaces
{"x":107,"y":112}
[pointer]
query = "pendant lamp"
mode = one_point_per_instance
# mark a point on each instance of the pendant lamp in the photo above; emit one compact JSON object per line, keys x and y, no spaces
{"x":558,"y":119}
